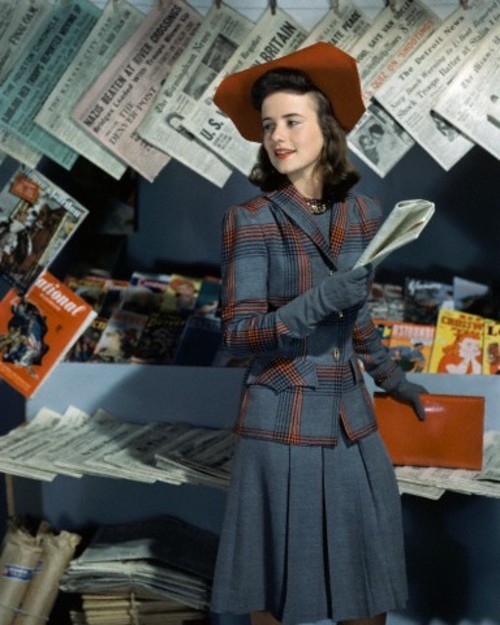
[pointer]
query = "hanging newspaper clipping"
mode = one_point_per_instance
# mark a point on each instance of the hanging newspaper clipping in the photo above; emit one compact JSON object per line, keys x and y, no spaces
{"x":273,"y":36}
{"x":472,"y":100}
{"x":115,"y":26}
{"x":114,"y":106}
{"x":413,"y":90}
{"x":221,"y":32}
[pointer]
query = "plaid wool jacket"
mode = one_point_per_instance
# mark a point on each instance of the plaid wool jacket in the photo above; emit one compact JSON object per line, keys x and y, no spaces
{"x":300,"y":385}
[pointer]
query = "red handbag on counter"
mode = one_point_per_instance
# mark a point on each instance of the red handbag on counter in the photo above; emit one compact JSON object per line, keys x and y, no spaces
{"x":451,"y":435}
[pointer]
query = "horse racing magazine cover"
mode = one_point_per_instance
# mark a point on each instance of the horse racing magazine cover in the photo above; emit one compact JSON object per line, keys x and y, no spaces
{"x":37,"y":329}
{"x":37,"y":219}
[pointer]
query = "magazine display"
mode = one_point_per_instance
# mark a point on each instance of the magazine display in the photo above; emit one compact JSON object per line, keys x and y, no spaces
{"x":458,"y":343}
{"x":404,"y":224}
{"x":410,"y":345}
{"x":424,"y":298}
{"x":37,"y":329}
{"x":37,"y":219}
{"x":491,"y":347}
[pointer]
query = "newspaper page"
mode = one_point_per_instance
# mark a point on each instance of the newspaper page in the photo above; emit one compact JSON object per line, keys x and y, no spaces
{"x":19,"y":150}
{"x":221,"y":32}
{"x":17,"y":26}
{"x":471,"y":102}
{"x":140,"y":454}
{"x":18,"y":22}
{"x":341,"y":27}
{"x":106,"y":435}
{"x":397,"y":31}
{"x":273,"y":36}
{"x":413,"y":90}
{"x":114,"y":106}
{"x":115,"y":26}
{"x":34,"y":75}
{"x":38,"y":443}
{"x":404,"y":224}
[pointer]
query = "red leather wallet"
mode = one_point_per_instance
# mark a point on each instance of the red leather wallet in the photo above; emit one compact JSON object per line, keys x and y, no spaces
{"x":451,"y":435}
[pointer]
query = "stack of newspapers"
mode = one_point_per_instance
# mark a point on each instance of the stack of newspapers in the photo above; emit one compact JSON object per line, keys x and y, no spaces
{"x":77,"y":444}
{"x":163,"y":558}
{"x":432,"y":482}
{"x":133,"y":608}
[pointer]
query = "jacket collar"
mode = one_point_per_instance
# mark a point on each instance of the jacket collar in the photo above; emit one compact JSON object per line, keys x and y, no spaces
{"x":294,"y":205}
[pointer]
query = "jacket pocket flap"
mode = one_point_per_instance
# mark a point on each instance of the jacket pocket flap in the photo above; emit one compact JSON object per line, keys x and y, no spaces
{"x":281,"y":374}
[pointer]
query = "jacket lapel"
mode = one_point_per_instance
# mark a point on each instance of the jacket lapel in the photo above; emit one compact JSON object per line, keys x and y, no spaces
{"x":295,"y":207}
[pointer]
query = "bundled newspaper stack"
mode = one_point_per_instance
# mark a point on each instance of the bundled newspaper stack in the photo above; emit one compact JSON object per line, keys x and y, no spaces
{"x":133,"y":609}
{"x":77,"y":444}
{"x":32,"y":566}
{"x":432,"y":482}
{"x":163,"y":557}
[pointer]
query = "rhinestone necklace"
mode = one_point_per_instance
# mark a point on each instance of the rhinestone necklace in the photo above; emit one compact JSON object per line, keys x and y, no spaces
{"x":318,"y":207}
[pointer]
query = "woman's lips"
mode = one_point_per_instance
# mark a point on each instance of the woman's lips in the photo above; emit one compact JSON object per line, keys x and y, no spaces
{"x":282,"y":154}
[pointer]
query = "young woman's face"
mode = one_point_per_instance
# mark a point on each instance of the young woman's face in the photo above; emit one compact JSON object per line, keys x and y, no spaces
{"x":292,"y":136}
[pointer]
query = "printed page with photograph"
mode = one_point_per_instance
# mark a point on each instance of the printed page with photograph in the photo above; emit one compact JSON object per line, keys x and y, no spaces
{"x":273,"y":36}
{"x":221,"y":32}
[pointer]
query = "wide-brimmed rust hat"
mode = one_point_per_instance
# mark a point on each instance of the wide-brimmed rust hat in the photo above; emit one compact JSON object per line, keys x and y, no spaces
{"x":333,"y":71}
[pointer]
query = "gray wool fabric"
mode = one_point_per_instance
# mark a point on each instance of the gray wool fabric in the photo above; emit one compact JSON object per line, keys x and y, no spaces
{"x":311,"y":533}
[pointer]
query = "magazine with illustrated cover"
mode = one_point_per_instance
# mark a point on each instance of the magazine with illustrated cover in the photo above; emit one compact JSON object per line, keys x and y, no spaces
{"x":37,"y":329}
{"x":424,"y":298}
{"x":120,"y":337}
{"x":458,"y":343}
{"x":410,"y":345}
{"x":160,"y":338}
{"x":491,"y":347}
{"x":37,"y":219}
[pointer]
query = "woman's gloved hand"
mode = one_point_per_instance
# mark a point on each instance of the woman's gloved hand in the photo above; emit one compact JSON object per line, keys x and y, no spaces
{"x":346,"y":288}
{"x":400,"y":388}
{"x":336,"y":292}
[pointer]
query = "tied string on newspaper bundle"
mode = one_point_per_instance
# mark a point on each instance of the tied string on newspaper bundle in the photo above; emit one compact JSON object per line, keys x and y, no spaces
{"x":134,"y":610}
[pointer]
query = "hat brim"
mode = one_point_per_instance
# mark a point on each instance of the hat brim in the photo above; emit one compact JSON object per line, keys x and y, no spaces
{"x":333,"y":71}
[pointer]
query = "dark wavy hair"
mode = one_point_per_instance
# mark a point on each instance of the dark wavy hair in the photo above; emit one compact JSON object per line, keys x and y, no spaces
{"x":339,"y":175}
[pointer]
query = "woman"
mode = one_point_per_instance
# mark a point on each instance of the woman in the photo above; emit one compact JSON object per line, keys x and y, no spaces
{"x":312,"y":528}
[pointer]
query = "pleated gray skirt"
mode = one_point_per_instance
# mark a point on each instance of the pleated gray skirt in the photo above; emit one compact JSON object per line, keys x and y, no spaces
{"x":311,"y":533}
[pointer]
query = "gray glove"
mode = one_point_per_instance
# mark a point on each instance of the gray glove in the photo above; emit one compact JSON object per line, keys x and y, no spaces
{"x":400,"y":388}
{"x":338,"y":291}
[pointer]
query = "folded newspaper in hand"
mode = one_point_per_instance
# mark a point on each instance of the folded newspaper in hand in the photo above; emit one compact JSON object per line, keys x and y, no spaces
{"x":403,"y":224}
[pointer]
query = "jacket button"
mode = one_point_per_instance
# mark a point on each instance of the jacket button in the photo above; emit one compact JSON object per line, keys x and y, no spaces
{"x":340,"y":314}
{"x":336,"y":353}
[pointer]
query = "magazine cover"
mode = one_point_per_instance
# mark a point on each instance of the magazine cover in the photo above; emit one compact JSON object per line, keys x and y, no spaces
{"x":37,"y":329}
{"x":491,"y":347}
{"x":160,"y":338}
{"x":120,"y":337}
{"x":37,"y":219}
{"x":458,"y":343}
{"x":181,"y":293}
{"x":424,"y":298}
{"x":386,"y":301}
{"x":410,"y":345}
{"x":199,"y":342}
{"x":384,"y":328}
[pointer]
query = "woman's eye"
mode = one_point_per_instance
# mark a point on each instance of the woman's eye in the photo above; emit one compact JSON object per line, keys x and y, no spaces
{"x":266,"y":128}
